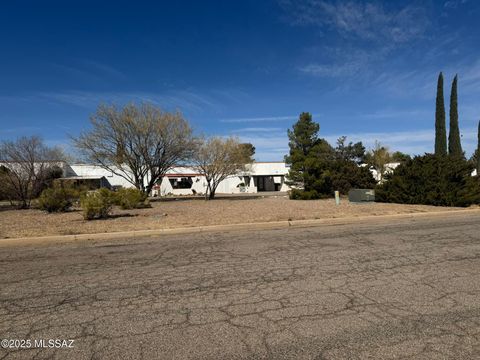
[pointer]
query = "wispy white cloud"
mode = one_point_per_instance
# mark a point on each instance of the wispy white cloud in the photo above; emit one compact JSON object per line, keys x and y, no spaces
{"x":90,"y":69}
{"x":407,"y":83}
{"x":370,"y":34}
{"x":103,"y":69}
{"x":256,"y":129}
{"x":363,"y":20}
{"x":421,"y":83}
{"x":453,"y":4}
{"x":260,"y":119}
{"x":344,"y":62}
{"x":395,"y":114}
{"x":18,"y":130}
{"x":332,"y":70}
{"x":469,"y":77}
{"x":183,"y":100}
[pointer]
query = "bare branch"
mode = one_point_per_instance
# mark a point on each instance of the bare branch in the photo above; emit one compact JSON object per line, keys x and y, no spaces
{"x":26,"y":164}
{"x":139,"y":143}
{"x":218,"y":158}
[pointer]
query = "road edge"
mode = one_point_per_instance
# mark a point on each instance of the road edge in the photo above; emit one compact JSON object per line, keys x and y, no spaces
{"x":227,"y":227}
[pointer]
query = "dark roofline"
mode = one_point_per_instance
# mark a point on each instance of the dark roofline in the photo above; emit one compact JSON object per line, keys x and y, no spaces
{"x":38,"y":161}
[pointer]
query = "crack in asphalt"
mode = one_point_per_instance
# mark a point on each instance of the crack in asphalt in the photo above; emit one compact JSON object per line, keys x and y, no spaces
{"x":389,"y":291}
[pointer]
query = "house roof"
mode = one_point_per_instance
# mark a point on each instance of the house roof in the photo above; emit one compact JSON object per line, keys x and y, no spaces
{"x":177,"y":175}
{"x":82,"y":178}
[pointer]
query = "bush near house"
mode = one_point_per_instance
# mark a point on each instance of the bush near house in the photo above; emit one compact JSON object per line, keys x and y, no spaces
{"x":57,"y":199}
{"x":97,"y":204}
{"x":431,"y":180}
{"x":131,"y":198}
{"x":300,"y":194}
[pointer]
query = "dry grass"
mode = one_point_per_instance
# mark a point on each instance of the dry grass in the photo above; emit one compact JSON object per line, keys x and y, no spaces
{"x":186,"y":213}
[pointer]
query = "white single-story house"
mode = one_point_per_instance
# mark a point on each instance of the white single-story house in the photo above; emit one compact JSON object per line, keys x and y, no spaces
{"x":185,"y":180}
{"x":258,"y":177}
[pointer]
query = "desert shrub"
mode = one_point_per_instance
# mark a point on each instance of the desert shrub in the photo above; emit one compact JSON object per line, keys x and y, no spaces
{"x":470,"y":193}
{"x":300,"y":194}
{"x":97,"y":204}
{"x":45,"y":179}
{"x":431,"y":180}
{"x":57,"y":199}
{"x":131,"y":198}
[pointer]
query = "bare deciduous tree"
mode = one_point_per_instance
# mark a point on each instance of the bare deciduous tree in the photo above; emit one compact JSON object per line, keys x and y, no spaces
{"x":139,"y":143}
{"x":378,"y":158}
{"x":27,"y":165}
{"x":218,"y":158}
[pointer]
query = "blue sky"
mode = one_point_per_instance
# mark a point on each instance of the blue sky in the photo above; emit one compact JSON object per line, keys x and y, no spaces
{"x":247,"y":68}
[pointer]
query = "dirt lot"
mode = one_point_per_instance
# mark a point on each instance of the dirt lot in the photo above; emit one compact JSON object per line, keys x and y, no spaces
{"x":186,"y":213}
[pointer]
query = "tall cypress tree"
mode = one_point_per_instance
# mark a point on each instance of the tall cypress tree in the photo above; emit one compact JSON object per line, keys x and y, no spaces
{"x":478,"y":150}
{"x":454,"y":145}
{"x":440,"y":128}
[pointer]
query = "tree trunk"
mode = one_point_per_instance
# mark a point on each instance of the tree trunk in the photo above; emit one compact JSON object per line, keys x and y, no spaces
{"x":212,"y":194}
{"x":148,"y":188}
{"x":138,"y":183}
{"x":207,"y":192}
{"x":23,"y":204}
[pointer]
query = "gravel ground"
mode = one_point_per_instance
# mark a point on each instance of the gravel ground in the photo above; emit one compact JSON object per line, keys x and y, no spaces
{"x":186,"y":213}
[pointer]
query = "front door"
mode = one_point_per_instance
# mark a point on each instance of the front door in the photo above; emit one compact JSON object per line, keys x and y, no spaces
{"x":261,"y":183}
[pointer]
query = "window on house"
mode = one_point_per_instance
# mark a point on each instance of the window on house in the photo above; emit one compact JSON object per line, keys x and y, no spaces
{"x":181,"y":183}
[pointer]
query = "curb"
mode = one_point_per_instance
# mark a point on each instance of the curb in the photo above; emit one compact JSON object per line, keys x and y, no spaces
{"x":229,"y":227}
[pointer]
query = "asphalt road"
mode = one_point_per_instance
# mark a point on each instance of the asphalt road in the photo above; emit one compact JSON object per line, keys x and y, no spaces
{"x":403,"y":290}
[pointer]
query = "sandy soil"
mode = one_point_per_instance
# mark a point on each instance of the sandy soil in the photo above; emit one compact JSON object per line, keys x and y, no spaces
{"x":186,"y":213}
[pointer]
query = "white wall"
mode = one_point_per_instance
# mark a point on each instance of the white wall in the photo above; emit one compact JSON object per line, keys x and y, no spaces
{"x":94,"y":170}
{"x":268,"y":168}
{"x":229,"y":186}
{"x":388,"y":169}
{"x":166,"y":188}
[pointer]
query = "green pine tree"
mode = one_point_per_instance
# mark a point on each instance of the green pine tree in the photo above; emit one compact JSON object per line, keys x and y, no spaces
{"x":302,"y":138}
{"x":317,"y":169}
{"x":310,"y":158}
{"x":454,"y":144}
{"x":440,"y":127}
